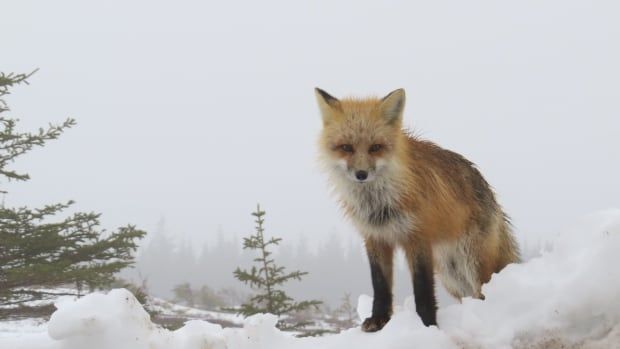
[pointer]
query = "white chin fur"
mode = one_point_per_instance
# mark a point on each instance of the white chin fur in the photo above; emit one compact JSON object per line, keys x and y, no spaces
{"x":381,"y":189}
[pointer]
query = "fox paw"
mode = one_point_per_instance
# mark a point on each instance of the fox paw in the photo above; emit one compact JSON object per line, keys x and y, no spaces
{"x":374,"y":323}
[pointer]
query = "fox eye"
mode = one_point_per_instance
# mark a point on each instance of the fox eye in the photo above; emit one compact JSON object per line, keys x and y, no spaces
{"x":375,"y":148}
{"x":347,"y":148}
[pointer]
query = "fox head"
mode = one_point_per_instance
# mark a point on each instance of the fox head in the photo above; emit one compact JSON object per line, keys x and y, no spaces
{"x":360,"y":137}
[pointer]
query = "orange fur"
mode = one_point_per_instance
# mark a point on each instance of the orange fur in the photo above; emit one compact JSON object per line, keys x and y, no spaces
{"x":418,"y":196}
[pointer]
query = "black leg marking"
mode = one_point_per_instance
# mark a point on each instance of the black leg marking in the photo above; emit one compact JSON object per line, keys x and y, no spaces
{"x":424,"y":290}
{"x":382,"y":302}
{"x":380,"y":258}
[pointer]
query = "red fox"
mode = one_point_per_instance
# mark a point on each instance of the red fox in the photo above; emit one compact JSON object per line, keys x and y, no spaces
{"x":401,"y":191}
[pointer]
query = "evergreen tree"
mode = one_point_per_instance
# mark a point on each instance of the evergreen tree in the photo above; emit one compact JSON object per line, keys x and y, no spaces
{"x":184,"y":293}
{"x":203,"y":298}
{"x":209,"y":299}
{"x":38,"y":250}
{"x":267,"y":277}
{"x":154,"y":260}
{"x":346,"y":311}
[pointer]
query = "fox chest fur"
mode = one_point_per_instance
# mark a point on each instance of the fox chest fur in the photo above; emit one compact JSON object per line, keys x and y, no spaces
{"x":375,"y":209}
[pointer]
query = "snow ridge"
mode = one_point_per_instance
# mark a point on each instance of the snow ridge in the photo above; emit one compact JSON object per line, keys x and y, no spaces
{"x":569,"y":297}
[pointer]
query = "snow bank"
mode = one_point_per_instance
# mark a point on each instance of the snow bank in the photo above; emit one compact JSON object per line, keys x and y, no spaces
{"x":569,"y":297}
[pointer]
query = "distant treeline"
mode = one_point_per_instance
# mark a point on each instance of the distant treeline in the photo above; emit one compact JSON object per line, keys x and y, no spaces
{"x":333,"y":269}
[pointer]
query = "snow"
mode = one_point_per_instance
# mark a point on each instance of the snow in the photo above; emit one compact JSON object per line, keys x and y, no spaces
{"x":570,"y":293}
{"x":165,"y":307}
{"x":568,"y":297}
{"x":20,"y":327}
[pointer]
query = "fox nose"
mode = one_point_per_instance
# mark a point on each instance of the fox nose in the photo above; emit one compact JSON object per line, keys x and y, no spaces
{"x":361,"y":175}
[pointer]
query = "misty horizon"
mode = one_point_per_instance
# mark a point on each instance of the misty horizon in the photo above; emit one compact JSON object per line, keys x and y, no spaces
{"x":202,"y":111}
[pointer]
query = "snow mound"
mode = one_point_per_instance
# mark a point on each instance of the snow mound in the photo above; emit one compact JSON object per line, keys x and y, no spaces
{"x":569,"y":297}
{"x":117,"y":320}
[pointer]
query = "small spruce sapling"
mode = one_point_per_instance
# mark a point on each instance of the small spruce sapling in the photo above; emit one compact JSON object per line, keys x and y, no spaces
{"x":267,"y":278}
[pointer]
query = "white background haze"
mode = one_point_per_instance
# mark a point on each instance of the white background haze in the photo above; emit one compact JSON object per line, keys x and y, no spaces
{"x":195,"y":111}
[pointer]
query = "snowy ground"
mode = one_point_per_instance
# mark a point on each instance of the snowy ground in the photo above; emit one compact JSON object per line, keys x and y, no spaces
{"x":166,"y":308}
{"x":569,"y":297}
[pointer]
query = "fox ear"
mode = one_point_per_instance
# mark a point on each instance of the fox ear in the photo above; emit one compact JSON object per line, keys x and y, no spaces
{"x":392,"y":106}
{"x":327,"y":104}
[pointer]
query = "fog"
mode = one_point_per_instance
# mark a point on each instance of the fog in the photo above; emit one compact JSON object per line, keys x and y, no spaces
{"x":196,"y":111}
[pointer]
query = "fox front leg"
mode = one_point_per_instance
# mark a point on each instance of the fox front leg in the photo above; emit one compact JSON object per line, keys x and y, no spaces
{"x":380,"y":256}
{"x":420,"y":260}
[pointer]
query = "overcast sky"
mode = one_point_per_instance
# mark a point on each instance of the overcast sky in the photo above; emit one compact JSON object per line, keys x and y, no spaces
{"x":196,"y":111}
